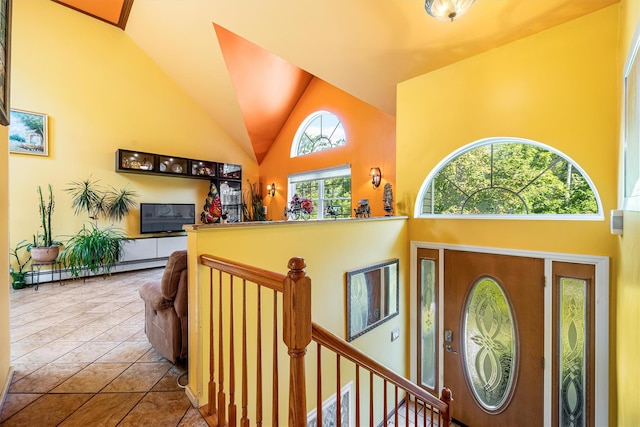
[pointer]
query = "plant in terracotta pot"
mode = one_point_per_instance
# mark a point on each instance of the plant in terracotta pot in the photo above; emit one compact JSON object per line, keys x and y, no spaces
{"x":19,"y":278}
{"x":95,"y":248}
{"x":44,"y":249}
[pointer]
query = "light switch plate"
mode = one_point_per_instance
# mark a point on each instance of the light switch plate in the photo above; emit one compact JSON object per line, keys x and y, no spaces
{"x":395,"y":334}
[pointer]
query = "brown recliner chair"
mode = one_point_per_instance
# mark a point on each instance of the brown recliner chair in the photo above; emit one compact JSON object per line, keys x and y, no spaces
{"x":166,"y":310}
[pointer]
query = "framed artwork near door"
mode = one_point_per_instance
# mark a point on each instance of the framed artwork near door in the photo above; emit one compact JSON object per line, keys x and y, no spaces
{"x":5,"y":50}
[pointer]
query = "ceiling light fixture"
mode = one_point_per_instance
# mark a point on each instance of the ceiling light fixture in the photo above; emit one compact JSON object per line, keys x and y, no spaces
{"x":447,"y":10}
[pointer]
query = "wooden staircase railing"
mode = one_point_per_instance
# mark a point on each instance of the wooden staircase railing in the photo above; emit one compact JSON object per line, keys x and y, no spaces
{"x":260,"y":344}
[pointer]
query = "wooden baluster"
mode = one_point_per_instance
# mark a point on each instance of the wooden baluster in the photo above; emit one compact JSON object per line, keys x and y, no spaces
{"x":384,"y":404}
{"x":244,"y":421}
{"x":370,"y":399}
{"x":447,"y":398}
{"x":415,"y":412}
{"x":297,"y":335}
{"x":274,"y":389}
{"x":259,"y":363}
{"x":357,"y":395}
{"x":319,"y":386}
{"x":222,"y":418}
{"x":232,"y":358}
{"x":395,"y":416}
{"x":407,"y":402}
{"x":338,"y":393}
{"x":212,"y":364}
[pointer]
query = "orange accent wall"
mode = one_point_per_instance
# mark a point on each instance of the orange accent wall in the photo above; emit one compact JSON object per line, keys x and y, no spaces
{"x":371,"y":142}
{"x":108,"y":10}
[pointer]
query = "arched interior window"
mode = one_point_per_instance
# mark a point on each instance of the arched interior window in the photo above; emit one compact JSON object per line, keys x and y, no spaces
{"x":508,"y":176}
{"x":320,"y":131}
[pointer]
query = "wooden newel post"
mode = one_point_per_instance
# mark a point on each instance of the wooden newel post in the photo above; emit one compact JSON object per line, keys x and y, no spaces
{"x":297,"y":336}
{"x":447,"y":398}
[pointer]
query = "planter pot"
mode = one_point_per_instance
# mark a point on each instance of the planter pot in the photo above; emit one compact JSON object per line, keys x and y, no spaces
{"x":18,"y":280}
{"x":45,"y":254}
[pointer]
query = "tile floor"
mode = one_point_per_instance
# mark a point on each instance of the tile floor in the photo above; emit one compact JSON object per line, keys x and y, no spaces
{"x":81,"y":358}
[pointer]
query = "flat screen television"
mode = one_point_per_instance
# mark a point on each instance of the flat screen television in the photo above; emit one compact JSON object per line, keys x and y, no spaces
{"x":166,"y":217}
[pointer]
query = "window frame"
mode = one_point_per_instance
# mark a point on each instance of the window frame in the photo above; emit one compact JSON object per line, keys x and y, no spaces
{"x":340,"y":171}
{"x":427,"y":183}
{"x":303,"y":127}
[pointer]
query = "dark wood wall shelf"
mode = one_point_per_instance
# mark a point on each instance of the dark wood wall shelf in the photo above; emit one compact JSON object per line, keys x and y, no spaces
{"x":226,"y":176}
{"x":131,"y":161}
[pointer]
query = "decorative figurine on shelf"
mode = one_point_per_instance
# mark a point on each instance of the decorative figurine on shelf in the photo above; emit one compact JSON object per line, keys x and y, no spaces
{"x":333,"y":211}
{"x":299,"y":208}
{"x":363,"y":210}
{"x":387,"y":198}
{"x":212,"y":206}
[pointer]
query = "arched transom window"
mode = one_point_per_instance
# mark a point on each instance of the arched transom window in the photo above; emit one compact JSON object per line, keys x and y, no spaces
{"x":320,"y":131}
{"x":508,"y":176}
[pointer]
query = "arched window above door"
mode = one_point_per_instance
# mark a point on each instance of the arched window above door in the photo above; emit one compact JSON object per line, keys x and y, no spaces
{"x":519,"y":178}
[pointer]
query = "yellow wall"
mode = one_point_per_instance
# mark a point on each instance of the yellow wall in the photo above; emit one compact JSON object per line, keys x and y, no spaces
{"x":270,"y":246}
{"x":370,"y":142}
{"x":101,"y":93}
{"x":558,"y":87}
{"x":4,"y":264}
{"x":628,"y":268}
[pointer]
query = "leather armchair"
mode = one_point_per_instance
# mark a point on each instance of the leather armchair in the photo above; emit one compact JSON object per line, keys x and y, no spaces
{"x":166,"y":310}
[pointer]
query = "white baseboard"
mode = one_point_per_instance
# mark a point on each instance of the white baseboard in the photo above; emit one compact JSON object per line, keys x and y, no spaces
{"x":192,"y":397}
{"x":5,"y":388}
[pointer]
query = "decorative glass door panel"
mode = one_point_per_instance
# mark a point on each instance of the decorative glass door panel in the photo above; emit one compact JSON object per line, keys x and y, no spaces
{"x":489,"y":345}
{"x":573,"y":345}
{"x":428,"y":338}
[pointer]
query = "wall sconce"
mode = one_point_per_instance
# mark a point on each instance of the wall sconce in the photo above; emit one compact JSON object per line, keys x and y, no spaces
{"x":271,"y":189}
{"x":376,"y":177}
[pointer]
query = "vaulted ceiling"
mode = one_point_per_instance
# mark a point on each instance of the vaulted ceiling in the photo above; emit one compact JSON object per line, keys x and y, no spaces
{"x":247,"y":62}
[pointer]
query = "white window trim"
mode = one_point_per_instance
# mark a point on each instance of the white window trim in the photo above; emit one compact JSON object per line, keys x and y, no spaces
{"x":417,"y":211}
{"x":313,"y":175}
{"x":303,"y":127}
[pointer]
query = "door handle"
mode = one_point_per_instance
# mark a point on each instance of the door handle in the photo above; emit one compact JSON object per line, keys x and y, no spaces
{"x":450,"y":349}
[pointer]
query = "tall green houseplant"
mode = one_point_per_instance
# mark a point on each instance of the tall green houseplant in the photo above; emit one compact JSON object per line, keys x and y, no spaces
{"x":95,"y":249}
{"x":44,"y":249}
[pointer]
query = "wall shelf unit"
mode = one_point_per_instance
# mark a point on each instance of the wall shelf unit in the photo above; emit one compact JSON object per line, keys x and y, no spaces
{"x":226,"y":176}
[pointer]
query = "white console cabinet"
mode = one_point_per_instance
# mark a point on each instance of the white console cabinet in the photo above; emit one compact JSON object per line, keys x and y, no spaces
{"x":149,"y":252}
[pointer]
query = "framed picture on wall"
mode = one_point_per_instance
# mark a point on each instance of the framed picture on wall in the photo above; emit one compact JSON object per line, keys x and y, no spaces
{"x":28,"y":133}
{"x":5,"y":49}
{"x":631,"y":154}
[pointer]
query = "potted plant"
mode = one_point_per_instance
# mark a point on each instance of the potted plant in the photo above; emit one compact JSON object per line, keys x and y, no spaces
{"x":93,"y":248}
{"x":44,"y":249}
{"x":19,"y":278}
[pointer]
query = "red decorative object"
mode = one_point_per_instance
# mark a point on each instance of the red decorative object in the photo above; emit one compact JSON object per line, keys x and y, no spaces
{"x":212,"y":206}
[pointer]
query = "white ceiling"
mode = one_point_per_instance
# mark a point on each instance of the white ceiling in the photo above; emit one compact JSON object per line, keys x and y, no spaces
{"x":364,"y":47}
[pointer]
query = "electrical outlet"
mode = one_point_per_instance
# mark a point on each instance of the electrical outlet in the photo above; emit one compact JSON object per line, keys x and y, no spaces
{"x":395,"y":334}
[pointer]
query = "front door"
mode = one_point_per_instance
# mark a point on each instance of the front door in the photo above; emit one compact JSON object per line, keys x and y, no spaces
{"x":494,"y":338}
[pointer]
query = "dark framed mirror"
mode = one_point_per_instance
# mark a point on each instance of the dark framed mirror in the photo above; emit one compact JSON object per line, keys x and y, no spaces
{"x":372,"y":297}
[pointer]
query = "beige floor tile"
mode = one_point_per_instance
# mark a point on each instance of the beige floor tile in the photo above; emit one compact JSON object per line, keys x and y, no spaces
{"x":87,"y":352}
{"x":20,"y":348}
{"x":46,"y":378}
{"x":21,"y":370}
{"x":91,"y":379}
{"x":84,"y":333}
{"x":192,"y":419}
{"x":49,"y":352}
{"x":49,"y":334}
{"x":138,"y":377}
{"x":103,"y":410}
{"x":15,"y":402}
{"x":169,"y":382}
{"x":158,"y":408}
{"x":47,"y":411}
{"x":152,"y":356}
{"x":128,"y":351}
